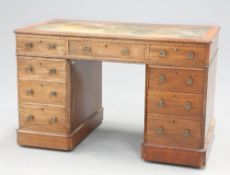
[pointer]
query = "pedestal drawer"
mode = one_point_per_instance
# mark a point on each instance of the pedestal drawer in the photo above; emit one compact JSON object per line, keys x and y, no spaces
{"x":42,"y":92}
{"x":33,"y":45}
{"x":42,"y":118}
{"x":41,"y":69}
{"x":174,"y":132}
{"x":179,"y":54}
{"x":172,"y":103}
{"x":176,"y":80}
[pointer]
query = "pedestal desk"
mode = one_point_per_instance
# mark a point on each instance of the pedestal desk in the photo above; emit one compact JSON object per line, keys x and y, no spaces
{"x":60,"y":77}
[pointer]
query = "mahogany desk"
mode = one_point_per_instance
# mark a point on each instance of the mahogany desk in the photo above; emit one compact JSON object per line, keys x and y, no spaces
{"x":60,"y":78}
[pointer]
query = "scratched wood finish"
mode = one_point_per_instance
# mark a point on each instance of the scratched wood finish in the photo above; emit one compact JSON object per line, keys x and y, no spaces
{"x":178,"y":52}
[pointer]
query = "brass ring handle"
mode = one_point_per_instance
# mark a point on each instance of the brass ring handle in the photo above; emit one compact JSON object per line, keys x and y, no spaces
{"x":53,"y":120}
{"x":125,"y":51}
{"x":162,"y":78}
{"x":187,"y":105}
{"x":29,"y":92}
{"x":29,"y":45}
{"x":30,"y":118}
{"x":51,"y":46}
{"x":87,"y":49}
{"x":162,"y":53}
{"x":159,"y":130}
{"x":52,"y":71}
{"x":190,"y":55}
{"x":29,"y":69}
{"x":161,"y":103}
{"x":186,"y":132}
{"x":189,"y":81}
{"x":53,"y":93}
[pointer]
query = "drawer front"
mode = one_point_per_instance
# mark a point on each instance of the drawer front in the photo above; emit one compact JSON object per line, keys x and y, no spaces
{"x":42,"y":118}
{"x":41,"y":69}
{"x":42,"y":92}
{"x":176,"y":80}
{"x":181,"y":55}
{"x":40,"y":46}
{"x":108,"y":49}
{"x":174,"y":132}
{"x":172,"y":103}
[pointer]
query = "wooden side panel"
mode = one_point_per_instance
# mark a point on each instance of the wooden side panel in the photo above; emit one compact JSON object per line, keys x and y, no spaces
{"x":86,"y":90}
{"x":210,"y":101}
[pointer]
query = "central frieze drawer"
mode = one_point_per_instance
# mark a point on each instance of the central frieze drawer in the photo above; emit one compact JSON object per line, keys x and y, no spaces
{"x":108,"y":49}
{"x":42,"y":92}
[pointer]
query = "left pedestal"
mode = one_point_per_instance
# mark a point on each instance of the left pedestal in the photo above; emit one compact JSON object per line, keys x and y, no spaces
{"x":59,"y":101}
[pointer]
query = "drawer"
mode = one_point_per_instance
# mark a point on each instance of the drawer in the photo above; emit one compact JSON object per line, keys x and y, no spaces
{"x":108,"y":49}
{"x":176,"y":80}
{"x":172,"y":103}
{"x":179,"y":54}
{"x":174,"y":132}
{"x":42,"y":118}
{"x":40,"y":46}
{"x":42,"y":92}
{"x":41,"y":69}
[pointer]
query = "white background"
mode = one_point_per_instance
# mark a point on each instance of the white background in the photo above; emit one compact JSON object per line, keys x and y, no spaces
{"x":113,"y":148}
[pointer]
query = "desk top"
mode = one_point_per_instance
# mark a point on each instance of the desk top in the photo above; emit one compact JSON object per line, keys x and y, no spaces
{"x":184,"y":33}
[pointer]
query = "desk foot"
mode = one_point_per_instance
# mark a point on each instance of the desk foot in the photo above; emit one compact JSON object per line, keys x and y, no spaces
{"x":178,"y":156}
{"x":59,"y":141}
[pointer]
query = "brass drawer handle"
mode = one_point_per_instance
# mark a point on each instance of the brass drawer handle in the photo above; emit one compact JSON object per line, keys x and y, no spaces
{"x":29,"y":92}
{"x":162,"y":78}
{"x":125,"y":51}
{"x":53,"y":93}
{"x":187,"y":105}
{"x":51,"y":46}
{"x":52,"y":71}
{"x":87,"y":49}
{"x":186,"y":132}
{"x":189,"y":81}
{"x":159,"y":130}
{"x":53,"y":120}
{"x":162,"y":53}
{"x":161,"y":103}
{"x":30,"y":118}
{"x":29,"y":45}
{"x":190,"y":55}
{"x":29,"y":69}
